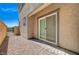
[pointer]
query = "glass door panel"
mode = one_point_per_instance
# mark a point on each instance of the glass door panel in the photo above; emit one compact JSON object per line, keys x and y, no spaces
{"x":51,"y":28}
{"x":43,"y":29}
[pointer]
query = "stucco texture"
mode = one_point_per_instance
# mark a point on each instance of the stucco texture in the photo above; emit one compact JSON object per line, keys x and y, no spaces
{"x":3,"y":32}
{"x":27,"y":31}
{"x":68,"y":24}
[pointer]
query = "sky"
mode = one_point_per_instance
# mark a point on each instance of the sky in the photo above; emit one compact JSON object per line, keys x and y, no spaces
{"x":9,"y":14}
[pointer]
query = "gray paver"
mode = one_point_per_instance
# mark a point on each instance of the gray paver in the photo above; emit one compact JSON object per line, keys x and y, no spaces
{"x":20,"y":46}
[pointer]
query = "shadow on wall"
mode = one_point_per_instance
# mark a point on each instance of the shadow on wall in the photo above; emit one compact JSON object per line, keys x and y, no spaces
{"x":4,"y":46}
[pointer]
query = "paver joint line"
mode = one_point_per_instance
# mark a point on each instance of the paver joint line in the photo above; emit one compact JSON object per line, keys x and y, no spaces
{"x":19,"y":46}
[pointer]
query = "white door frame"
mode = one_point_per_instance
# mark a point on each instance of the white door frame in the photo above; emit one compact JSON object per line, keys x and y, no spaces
{"x":39,"y":26}
{"x":55,"y":13}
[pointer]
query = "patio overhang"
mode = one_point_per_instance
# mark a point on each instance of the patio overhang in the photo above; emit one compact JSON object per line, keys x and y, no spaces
{"x":39,"y":9}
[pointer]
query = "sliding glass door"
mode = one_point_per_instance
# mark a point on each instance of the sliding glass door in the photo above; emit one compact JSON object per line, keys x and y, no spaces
{"x":48,"y":28}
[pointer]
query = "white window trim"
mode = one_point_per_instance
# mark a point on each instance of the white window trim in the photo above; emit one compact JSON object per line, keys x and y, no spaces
{"x":55,"y":13}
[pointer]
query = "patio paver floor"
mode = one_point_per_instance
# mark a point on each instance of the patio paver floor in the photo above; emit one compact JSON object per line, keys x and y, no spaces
{"x":18,"y":45}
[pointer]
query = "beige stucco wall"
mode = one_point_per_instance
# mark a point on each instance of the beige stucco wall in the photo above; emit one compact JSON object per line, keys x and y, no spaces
{"x":68,"y":24}
{"x":3,"y":32}
{"x":30,"y":27}
{"x":27,"y":31}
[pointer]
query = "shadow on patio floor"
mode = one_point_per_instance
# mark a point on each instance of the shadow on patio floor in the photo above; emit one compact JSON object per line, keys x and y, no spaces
{"x":52,"y":45}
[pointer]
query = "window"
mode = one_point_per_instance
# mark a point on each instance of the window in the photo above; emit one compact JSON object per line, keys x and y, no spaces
{"x":24,"y":21}
{"x":23,"y":5}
